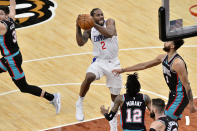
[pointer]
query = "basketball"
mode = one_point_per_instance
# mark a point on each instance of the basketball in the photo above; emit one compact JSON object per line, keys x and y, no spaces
{"x":85,"y":21}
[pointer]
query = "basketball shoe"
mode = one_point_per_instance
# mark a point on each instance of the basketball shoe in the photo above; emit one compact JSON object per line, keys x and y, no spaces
{"x":79,"y":110}
{"x":113,"y":124}
{"x":56,"y":102}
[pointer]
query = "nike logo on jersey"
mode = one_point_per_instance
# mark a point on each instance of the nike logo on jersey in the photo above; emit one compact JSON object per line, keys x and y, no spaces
{"x":99,"y":38}
{"x":12,"y":26}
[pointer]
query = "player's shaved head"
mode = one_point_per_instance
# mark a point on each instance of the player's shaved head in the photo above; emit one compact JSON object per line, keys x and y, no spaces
{"x":159,"y":104}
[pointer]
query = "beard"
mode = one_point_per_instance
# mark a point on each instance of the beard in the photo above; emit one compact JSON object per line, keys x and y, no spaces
{"x":152,"y":115}
{"x":166,"y":49}
{"x":100,"y":22}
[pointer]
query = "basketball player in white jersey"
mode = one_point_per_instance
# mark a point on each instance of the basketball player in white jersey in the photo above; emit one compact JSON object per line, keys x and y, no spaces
{"x":105,"y":51}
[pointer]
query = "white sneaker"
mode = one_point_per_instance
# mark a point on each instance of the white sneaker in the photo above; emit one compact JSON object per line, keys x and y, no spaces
{"x":113,"y":124}
{"x":56,"y":102}
{"x":79,"y":111}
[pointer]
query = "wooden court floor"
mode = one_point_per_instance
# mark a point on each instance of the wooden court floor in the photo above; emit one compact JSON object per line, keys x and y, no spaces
{"x":53,"y":61}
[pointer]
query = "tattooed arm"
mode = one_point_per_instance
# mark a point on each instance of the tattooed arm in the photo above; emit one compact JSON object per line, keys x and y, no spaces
{"x":110,"y":29}
{"x":81,"y":38}
{"x":12,"y":9}
{"x":117,"y":103}
{"x":179,"y":67}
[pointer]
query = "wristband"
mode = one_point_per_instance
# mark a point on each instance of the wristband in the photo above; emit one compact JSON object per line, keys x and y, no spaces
{"x":109,"y":116}
{"x":152,"y":129}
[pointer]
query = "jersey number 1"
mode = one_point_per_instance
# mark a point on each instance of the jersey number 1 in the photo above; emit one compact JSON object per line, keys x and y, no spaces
{"x":167,"y":79}
{"x":103,"y":45}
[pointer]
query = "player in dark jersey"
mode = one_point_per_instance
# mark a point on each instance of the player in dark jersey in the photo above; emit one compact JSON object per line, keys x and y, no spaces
{"x":132,"y":105}
{"x":12,"y":58}
{"x":176,"y":77}
{"x":162,"y":122}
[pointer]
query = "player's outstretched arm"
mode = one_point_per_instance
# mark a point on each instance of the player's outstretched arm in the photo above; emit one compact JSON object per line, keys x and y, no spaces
{"x":81,"y":38}
{"x":179,"y":67}
{"x":12,"y":9}
{"x":110,"y":29}
{"x":140,"y":66}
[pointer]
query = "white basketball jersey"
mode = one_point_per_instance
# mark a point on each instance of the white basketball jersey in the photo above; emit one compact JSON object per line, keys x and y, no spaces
{"x":103,"y":47}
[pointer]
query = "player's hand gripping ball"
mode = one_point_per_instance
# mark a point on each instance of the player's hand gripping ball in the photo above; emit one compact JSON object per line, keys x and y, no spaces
{"x":85,"y":21}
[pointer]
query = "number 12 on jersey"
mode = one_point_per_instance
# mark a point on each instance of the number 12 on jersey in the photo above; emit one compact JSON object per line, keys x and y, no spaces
{"x":103,"y":45}
{"x":134,"y":116}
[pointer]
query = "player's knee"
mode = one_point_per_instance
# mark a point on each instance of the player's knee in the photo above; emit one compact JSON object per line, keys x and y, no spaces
{"x":23,"y":88}
{"x":113,"y":97}
{"x":90,"y":77}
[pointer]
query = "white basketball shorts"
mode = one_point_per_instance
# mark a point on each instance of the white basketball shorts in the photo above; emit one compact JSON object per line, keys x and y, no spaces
{"x":104,"y":67}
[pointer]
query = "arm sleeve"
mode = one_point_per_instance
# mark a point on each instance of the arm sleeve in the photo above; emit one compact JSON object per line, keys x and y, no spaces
{"x":110,"y":116}
{"x":152,"y":129}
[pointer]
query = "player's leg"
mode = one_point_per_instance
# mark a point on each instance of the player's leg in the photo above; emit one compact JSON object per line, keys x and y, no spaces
{"x":114,"y":82}
{"x":92,"y":74}
{"x":115,"y":85}
{"x":176,"y":105}
{"x":114,"y":93}
{"x":37,"y":91}
{"x":3,"y":68}
{"x":89,"y":78}
{"x":13,"y":65}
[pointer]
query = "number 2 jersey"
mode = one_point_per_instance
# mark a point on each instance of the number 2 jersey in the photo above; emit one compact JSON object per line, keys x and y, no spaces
{"x":8,"y":42}
{"x":132,"y":112}
{"x":103,"y":47}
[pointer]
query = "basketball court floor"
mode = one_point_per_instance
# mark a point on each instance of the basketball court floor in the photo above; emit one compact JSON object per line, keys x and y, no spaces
{"x":53,"y":61}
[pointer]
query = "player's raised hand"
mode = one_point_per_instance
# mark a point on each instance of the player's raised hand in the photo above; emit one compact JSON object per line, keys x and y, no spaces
{"x":103,"y":110}
{"x":117,"y":72}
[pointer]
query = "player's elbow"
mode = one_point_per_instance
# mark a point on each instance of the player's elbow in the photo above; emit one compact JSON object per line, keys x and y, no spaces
{"x":110,"y":35}
{"x":80,"y":43}
{"x":12,"y":15}
{"x":187,"y":86}
{"x":144,"y":66}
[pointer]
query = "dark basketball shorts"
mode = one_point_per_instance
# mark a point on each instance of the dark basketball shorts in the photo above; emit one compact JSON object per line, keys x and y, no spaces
{"x":12,"y":64}
{"x":176,"y":104}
